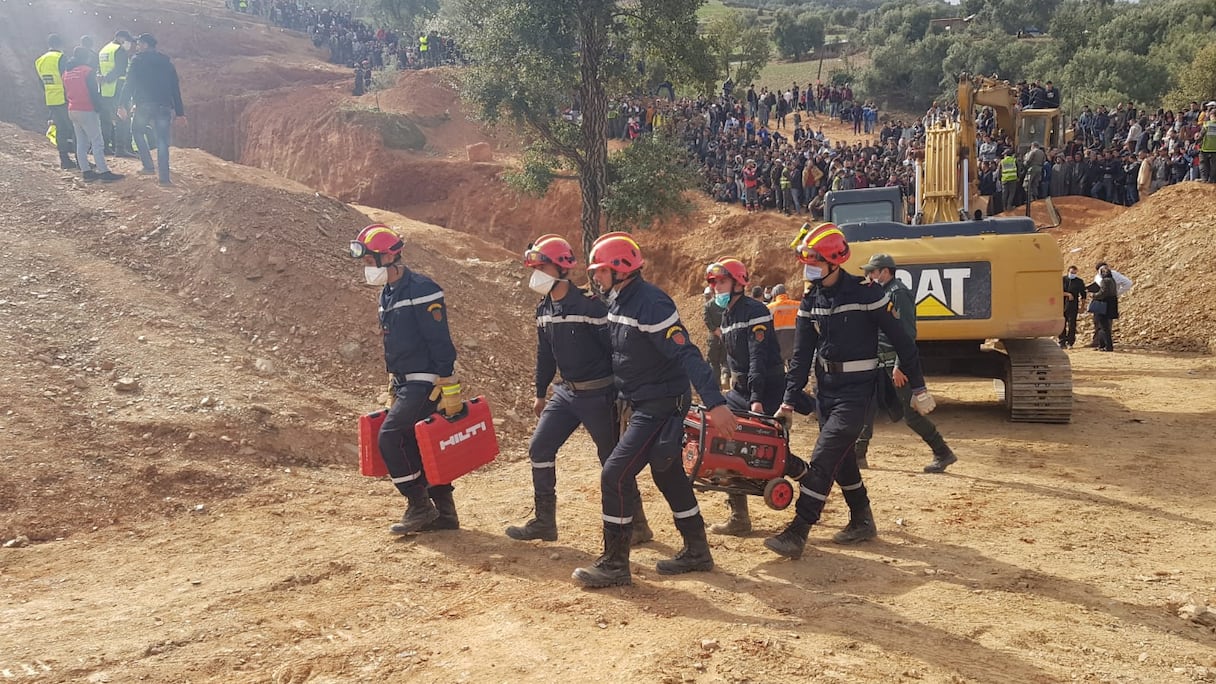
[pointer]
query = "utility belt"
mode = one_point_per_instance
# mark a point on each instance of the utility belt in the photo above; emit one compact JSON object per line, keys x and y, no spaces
{"x":669,"y":440}
{"x":738,"y":381}
{"x":590,"y":385}
{"x":401,"y":379}
{"x":664,"y":406}
{"x":847,"y":366}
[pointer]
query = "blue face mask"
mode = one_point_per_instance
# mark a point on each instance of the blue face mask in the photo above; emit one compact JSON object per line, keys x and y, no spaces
{"x":1072,"y":276}
{"x":722,"y":299}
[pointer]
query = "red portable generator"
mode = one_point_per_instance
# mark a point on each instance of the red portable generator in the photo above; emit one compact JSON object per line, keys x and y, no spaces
{"x":458,"y":445}
{"x":371,"y":463}
{"x":752,"y":463}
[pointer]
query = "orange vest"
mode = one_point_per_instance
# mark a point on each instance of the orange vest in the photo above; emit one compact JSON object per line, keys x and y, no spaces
{"x":785,"y":312}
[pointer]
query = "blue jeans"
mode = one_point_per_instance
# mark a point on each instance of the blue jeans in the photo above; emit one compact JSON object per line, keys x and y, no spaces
{"x":160,"y":119}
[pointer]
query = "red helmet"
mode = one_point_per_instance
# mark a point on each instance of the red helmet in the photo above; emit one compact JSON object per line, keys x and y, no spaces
{"x":824,"y":243}
{"x":549,"y":249}
{"x":617,"y":251}
{"x":728,"y":267}
{"x":376,"y":239}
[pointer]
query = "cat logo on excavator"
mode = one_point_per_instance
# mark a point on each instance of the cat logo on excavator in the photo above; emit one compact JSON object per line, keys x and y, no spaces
{"x":950,"y":291}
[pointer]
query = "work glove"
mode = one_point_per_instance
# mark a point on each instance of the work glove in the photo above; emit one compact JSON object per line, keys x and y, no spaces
{"x":785,"y":415}
{"x":922,"y":402}
{"x":447,"y":391}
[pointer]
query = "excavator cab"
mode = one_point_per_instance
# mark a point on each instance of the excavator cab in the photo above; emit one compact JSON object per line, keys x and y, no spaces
{"x":1044,"y":126}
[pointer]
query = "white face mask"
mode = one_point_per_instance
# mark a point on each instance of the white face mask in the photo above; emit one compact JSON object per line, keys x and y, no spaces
{"x":375,"y":275}
{"x":812,"y":273}
{"x":541,"y":283}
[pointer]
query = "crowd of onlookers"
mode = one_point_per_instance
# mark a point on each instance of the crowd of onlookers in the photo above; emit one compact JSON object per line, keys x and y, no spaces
{"x":764,"y":148}
{"x":352,"y":42}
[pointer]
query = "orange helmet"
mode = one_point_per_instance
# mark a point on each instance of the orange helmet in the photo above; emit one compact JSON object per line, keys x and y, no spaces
{"x":617,"y":251}
{"x":728,"y":267}
{"x":376,"y":239}
{"x":824,"y":243}
{"x":549,"y":249}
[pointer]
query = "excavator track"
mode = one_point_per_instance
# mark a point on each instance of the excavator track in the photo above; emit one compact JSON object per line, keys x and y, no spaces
{"x":1038,"y":387}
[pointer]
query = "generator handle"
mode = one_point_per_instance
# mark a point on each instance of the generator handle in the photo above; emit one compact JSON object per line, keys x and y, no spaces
{"x":696,"y":468}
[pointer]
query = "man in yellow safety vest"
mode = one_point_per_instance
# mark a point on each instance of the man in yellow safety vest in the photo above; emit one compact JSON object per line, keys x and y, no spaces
{"x":50,"y":73}
{"x":1009,"y":178}
{"x":1207,"y":146}
{"x":423,"y":49}
{"x":112,"y":70}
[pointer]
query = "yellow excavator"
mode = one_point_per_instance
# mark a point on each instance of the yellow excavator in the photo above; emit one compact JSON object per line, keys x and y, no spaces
{"x":988,"y":291}
{"x":946,"y":194}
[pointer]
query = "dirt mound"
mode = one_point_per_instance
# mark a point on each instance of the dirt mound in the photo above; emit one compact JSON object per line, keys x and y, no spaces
{"x":1076,"y":213}
{"x":677,"y":253}
{"x":230,"y":303}
{"x":1166,"y":244}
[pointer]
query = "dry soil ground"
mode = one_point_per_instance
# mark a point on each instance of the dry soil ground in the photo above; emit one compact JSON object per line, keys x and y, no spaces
{"x":210,"y":525}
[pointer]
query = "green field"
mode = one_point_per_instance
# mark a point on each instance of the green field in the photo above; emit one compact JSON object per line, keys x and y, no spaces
{"x":711,"y":9}
{"x":781,"y":74}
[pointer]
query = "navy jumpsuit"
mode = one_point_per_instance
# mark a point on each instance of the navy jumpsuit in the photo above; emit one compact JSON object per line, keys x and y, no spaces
{"x":653,"y":358}
{"x":418,"y":350}
{"x":572,"y":338}
{"x":837,"y":338}
{"x":753,"y":355}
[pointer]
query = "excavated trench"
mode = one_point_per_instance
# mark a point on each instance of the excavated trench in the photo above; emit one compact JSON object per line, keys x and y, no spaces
{"x":407,"y":156}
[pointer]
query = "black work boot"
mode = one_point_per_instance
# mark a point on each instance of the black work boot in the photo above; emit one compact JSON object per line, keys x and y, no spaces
{"x":543,"y":526}
{"x":941,"y":461}
{"x":419,"y":513}
{"x":795,"y":468}
{"x":694,"y":557}
{"x":447,"y":520}
{"x":611,"y":569}
{"x":740,"y":521}
{"x":641,"y":528}
{"x":792,"y":539}
{"x":860,"y":528}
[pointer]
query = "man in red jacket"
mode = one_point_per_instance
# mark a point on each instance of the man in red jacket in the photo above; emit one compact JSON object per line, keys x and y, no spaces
{"x":84,"y":101}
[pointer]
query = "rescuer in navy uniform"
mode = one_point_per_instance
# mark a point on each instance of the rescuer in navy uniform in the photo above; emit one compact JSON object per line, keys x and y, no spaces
{"x":838,"y":325}
{"x":653,"y":360}
{"x":419,"y":353}
{"x":571,"y":338}
{"x":753,"y":356}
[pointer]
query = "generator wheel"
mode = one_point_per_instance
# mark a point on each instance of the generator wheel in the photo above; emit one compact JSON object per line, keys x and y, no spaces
{"x":778,"y":493}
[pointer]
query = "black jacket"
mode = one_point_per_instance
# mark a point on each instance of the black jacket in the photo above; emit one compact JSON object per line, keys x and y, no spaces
{"x":152,"y":80}
{"x":572,"y":337}
{"x":652,"y":355}
{"x":841,"y":323}
{"x":752,"y":352}
{"x":414,"y":321}
{"x":1075,"y":287}
{"x":1108,"y":291}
